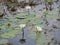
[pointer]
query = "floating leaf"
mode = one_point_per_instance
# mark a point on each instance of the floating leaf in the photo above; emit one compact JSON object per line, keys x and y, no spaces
{"x":10,"y":34}
{"x":42,"y":40}
{"x":48,"y":0}
{"x":3,"y":41}
{"x":46,"y":13}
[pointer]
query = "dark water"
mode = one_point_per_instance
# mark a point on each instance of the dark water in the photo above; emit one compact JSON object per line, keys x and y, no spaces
{"x":29,"y":40}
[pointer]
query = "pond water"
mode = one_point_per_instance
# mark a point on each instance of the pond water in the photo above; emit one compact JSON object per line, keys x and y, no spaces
{"x":29,"y":40}
{"x":10,"y":30}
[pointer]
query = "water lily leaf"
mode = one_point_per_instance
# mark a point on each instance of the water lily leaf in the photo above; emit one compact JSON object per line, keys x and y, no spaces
{"x":11,"y":3}
{"x":46,"y":13}
{"x":36,"y":20}
{"x":35,"y":35}
{"x":32,"y":35}
{"x":6,"y":35}
{"x":2,"y":21}
{"x":21,"y":15}
{"x":11,"y":34}
{"x":3,"y":41}
{"x":30,"y":16}
{"x":41,"y":25}
{"x":38,"y":35}
{"x":42,"y":40}
{"x":48,"y":0}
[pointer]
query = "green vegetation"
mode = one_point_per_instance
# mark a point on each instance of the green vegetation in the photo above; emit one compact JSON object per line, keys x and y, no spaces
{"x":3,"y":41}
{"x":10,"y":34}
{"x":11,"y":3}
{"x":9,"y":27}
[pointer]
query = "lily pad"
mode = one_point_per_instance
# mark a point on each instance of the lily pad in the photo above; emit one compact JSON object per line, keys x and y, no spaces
{"x":41,"y":25}
{"x":42,"y":40}
{"x":11,"y":34}
{"x":3,"y":41}
{"x":32,"y":35}
{"x":48,"y":0}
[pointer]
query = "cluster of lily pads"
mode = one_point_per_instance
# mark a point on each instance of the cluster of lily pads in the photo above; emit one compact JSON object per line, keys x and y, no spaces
{"x":11,"y":26}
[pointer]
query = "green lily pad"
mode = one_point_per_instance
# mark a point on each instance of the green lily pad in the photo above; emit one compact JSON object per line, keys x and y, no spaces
{"x":33,"y":36}
{"x":11,"y":34}
{"x":3,"y":41}
{"x":46,"y":13}
{"x":41,"y":25}
{"x":24,"y":15}
{"x":30,"y":16}
{"x":35,"y":21}
{"x":48,"y":0}
{"x":42,"y":40}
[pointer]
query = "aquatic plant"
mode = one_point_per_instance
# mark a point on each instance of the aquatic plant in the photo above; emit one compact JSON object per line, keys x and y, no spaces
{"x":41,"y":40}
{"x":10,"y":34}
{"x":10,"y":3}
{"x":3,"y":41}
{"x":16,"y":24}
{"x":39,"y":37}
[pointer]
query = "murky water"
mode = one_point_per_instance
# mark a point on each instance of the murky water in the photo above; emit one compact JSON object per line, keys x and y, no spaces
{"x":32,"y":41}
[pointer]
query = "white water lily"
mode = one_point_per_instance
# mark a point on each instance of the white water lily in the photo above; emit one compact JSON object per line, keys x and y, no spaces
{"x":22,"y":25}
{"x":28,"y":7}
{"x":39,"y":28}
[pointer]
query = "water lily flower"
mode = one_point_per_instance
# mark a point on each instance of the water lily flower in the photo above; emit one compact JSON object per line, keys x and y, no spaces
{"x":22,"y":25}
{"x":28,"y":7}
{"x":39,"y":28}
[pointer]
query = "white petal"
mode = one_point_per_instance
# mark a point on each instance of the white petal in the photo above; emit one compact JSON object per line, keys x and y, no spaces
{"x":39,"y":28}
{"x":22,"y":25}
{"x":28,"y":7}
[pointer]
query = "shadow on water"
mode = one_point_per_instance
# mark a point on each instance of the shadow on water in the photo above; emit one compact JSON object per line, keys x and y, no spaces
{"x":18,"y":40}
